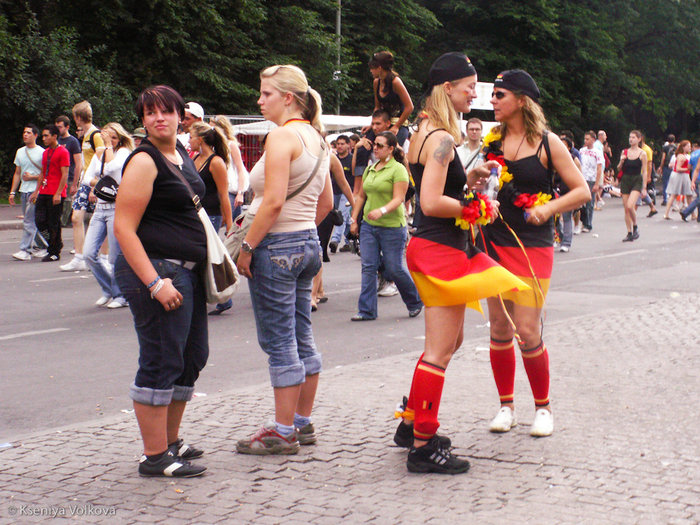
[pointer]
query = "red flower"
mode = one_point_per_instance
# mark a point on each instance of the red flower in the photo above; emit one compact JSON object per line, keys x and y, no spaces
{"x":525,"y":200}
{"x":471,"y":211}
{"x":497,"y":158}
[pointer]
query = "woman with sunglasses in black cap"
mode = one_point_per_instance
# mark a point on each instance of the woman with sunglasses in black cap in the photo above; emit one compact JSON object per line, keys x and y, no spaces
{"x":440,"y":258}
{"x":522,"y":239}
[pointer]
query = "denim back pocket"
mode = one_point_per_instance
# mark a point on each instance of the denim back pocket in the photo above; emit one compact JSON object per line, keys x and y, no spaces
{"x":287,"y":256}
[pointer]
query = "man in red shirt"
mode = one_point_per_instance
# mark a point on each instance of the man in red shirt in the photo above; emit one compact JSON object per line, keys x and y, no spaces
{"x":50,"y":192}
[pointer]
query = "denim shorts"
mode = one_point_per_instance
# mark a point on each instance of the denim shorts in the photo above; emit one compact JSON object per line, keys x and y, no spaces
{"x":283,"y":267}
{"x":81,"y":200}
{"x":174,"y":345}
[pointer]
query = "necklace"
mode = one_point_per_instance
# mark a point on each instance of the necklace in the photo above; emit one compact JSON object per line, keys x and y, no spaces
{"x":515,"y":157}
{"x":302,"y":120}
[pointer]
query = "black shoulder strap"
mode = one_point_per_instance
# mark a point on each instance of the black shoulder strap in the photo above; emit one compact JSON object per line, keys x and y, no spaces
{"x":91,"y":138}
{"x":424,"y":141}
{"x":550,"y":166}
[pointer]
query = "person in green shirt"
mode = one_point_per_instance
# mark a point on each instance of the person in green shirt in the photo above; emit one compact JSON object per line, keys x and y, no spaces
{"x":383,"y":235}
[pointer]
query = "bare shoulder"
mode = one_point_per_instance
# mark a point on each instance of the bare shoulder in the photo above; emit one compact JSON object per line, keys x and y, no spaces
{"x":440,"y":146}
{"x":142,"y":163}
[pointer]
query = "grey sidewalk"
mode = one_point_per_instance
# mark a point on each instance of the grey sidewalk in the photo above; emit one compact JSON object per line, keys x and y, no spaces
{"x":625,"y":448}
{"x":8,"y":216}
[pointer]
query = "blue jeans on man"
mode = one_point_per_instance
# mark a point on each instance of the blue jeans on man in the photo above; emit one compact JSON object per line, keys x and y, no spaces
{"x":101,"y":227}
{"x":567,"y":228}
{"x":30,"y":236}
{"x":283,"y":268}
{"x":340,"y":232}
{"x":381,"y":244}
{"x":587,"y":211}
{"x":693,"y":205}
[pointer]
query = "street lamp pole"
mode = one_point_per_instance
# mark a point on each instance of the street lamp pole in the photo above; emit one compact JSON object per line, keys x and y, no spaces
{"x":336,"y":74}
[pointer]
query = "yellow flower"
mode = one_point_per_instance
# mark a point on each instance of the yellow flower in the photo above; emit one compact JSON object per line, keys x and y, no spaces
{"x":505,"y":177}
{"x":542,"y":198}
{"x":462,"y":223}
{"x":490,"y":137}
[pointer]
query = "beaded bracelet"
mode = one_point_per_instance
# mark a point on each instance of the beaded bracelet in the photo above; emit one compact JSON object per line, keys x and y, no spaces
{"x":149,"y":286}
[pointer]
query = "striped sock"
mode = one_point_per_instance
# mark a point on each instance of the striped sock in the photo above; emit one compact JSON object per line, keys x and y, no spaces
{"x":502,"y":354}
{"x":536,"y":361}
{"x":427,"y":385}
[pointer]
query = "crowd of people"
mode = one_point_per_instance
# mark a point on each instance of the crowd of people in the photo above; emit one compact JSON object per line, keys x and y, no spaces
{"x":145,"y":243}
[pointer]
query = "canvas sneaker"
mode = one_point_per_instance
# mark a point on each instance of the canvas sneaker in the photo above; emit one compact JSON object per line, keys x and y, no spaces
{"x":22,"y":255}
{"x":268,"y":441}
{"x":103,"y":301}
{"x":169,"y":466}
{"x":118,"y":302}
{"x":504,"y":420}
{"x":543,"y":425}
{"x":75,"y":265}
{"x":433,"y":457}
{"x":39,"y":254}
{"x":389,"y":290}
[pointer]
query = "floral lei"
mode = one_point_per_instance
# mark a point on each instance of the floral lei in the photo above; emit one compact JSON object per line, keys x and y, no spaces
{"x":477,"y":209}
{"x":493,"y":151}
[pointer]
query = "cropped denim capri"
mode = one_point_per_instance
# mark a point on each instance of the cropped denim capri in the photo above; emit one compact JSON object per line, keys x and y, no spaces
{"x":283,"y":268}
{"x":173,"y":345}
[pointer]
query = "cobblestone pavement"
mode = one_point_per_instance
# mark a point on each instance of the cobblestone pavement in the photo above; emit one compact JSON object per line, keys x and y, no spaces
{"x":625,"y":447}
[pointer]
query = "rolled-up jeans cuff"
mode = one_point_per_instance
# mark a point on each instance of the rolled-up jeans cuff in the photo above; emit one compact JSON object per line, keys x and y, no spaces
{"x":290,"y":375}
{"x":312,"y":364}
{"x":150,"y":396}
{"x":182,"y":393}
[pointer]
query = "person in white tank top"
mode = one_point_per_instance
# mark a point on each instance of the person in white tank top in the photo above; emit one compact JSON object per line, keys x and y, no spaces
{"x":281,"y":254}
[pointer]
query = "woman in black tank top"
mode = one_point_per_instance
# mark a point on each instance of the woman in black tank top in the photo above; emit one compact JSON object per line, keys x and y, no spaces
{"x":521,"y":240}
{"x":439,"y":258}
{"x":390,"y":94}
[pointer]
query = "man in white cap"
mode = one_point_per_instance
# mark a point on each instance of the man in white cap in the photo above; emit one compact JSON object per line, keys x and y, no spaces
{"x":193,"y":113}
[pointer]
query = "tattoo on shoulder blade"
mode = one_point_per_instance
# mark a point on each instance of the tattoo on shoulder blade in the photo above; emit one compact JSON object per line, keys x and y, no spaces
{"x":444,"y":150}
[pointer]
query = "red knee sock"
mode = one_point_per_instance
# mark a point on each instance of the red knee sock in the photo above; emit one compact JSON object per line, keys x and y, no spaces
{"x":409,"y":412}
{"x":536,"y":361}
{"x":428,"y":381}
{"x":502,"y":354}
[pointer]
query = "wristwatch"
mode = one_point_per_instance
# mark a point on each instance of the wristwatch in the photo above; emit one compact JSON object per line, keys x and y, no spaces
{"x":246,"y":247}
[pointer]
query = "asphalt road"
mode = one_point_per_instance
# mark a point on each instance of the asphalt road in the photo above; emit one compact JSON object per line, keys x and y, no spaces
{"x":63,"y":360}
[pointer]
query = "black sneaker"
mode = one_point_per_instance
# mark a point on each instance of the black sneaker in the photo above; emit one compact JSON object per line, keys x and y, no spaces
{"x":185,"y":451}
{"x":50,"y":257}
{"x":346,"y":248}
{"x":333,"y":246}
{"x":432,"y":457}
{"x":629,"y":237}
{"x":169,"y":466}
{"x":404,"y":437}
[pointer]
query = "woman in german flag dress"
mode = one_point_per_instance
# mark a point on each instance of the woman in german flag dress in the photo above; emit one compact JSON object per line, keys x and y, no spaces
{"x":449,"y":271}
{"x":521,"y":239}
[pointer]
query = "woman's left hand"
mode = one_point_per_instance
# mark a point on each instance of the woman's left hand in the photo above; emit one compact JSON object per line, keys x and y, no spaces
{"x":374,"y":215}
{"x":243,"y":265}
{"x":238,"y":201}
{"x":539,"y":215}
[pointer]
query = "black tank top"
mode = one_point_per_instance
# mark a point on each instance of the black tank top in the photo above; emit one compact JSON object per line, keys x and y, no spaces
{"x":210,"y":202}
{"x":391,"y":102}
{"x":439,"y":229}
{"x":632,"y":167}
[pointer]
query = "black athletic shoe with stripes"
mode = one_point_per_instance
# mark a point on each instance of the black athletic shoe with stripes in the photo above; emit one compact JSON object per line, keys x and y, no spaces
{"x":185,"y":451}
{"x":403,"y":436}
{"x":169,"y":466}
{"x":433,"y":457}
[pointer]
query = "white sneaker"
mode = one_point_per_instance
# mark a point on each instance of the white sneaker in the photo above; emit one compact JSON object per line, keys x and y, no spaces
{"x":119,"y":302}
{"x":75,"y":265}
{"x":103,"y":301}
{"x":564,"y":249}
{"x":22,"y":256}
{"x":72,"y":252}
{"x":40,"y":254}
{"x":388,"y":291}
{"x":543,"y":425}
{"x":578,"y":228}
{"x":504,"y":420}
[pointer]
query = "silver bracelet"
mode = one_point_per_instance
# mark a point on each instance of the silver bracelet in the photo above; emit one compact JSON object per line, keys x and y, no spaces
{"x":157,"y":288}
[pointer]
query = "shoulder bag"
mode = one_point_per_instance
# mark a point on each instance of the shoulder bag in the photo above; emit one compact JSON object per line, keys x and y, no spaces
{"x":106,"y":188}
{"x":242,"y":223}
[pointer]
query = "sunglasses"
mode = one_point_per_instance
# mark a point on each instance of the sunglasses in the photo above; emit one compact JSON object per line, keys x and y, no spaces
{"x":498,"y":94}
{"x":380,"y":146}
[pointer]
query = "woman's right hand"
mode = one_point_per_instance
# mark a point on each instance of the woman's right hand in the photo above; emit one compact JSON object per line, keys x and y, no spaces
{"x":168,"y":296}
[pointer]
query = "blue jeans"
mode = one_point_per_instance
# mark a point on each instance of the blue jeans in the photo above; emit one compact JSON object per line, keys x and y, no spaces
{"x":665,"y":176}
{"x":235,"y":210}
{"x":174,"y":345}
{"x":283,"y":267}
{"x":101,"y":226}
{"x":587,"y":215}
{"x":695,"y":204}
{"x":380,"y":244}
{"x":567,"y":228}
{"x":30,"y":235}
{"x":341,"y":231}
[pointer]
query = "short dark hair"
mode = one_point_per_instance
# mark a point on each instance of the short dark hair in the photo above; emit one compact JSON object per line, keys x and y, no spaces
{"x":475,"y":120}
{"x":671,"y":138}
{"x":33,"y":127}
{"x":161,"y":96}
{"x":591,"y":133}
{"x":63,"y":119}
{"x":51,"y":128}
{"x":342,"y":137}
{"x":569,"y":143}
{"x":383,"y":114}
{"x":567,"y":133}
{"x":354,"y":137}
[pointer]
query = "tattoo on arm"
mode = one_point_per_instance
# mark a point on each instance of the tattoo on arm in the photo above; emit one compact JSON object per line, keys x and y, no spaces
{"x":444,"y":150}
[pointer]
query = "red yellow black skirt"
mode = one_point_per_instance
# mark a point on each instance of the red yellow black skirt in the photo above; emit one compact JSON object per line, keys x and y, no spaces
{"x":447,"y":276}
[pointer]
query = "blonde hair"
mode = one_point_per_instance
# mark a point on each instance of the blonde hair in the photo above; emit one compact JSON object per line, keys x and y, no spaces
{"x":125,"y":140}
{"x":224,"y":124}
{"x":291,"y":79}
{"x":441,"y":112}
{"x":534,"y":121}
{"x":212,"y":137}
{"x":83,"y":110}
